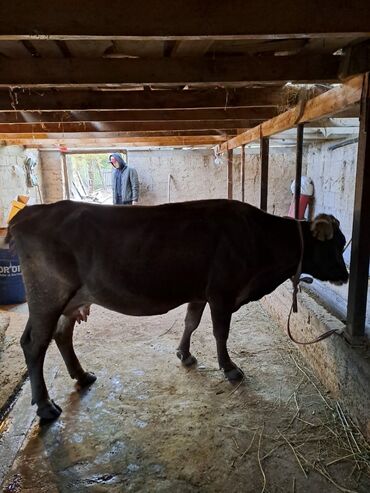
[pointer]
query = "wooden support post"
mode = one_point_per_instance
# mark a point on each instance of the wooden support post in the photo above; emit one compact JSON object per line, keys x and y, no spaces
{"x":359,"y":269}
{"x":242,"y":171}
{"x":264,"y":153}
{"x":230,"y":174}
{"x":65,"y":175}
{"x":298,"y":169}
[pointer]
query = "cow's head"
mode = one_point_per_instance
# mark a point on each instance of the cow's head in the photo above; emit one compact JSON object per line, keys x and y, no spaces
{"x":324,"y":260}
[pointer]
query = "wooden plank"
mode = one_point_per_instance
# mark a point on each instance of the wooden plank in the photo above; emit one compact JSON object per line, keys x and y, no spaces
{"x":359,"y":268}
{"x":230,"y":159}
{"x":264,"y":155}
{"x":73,"y":72}
{"x":91,"y":139}
{"x":18,"y":99}
{"x":298,"y":169}
{"x":68,"y":127}
{"x":183,"y":19}
{"x":221,"y":135}
{"x":136,"y":116}
{"x":326,"y":104}
{"x":198,"y":47}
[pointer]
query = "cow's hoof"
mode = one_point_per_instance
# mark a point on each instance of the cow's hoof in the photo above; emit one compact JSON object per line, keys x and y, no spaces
{"x":49,"y":411}
{"x":234,"y":375}
{"x":86,"y":379}
{"x":188,"y":360}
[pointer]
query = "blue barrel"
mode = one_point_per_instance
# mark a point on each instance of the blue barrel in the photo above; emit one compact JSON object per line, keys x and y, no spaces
{"x":11,"y":282}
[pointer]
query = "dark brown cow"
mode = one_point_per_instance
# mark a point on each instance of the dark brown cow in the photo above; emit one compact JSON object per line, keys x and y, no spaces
{"x":148,"y":260}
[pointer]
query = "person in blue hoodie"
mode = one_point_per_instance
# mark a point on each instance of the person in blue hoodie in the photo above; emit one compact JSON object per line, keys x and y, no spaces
{"x":125,"y":181}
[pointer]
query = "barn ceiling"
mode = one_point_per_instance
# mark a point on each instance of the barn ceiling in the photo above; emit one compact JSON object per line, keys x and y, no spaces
{"x":90,"y":70}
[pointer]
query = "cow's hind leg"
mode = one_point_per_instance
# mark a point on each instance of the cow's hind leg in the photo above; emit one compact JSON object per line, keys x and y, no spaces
{"x":221,"y":318}
{"x":192,"y":320}
{"x":35,"y":341}
{"x":64,"y":339}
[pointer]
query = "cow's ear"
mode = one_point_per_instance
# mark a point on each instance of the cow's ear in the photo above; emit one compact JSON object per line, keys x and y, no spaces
{"x":335,"y":221}
{"x":322,"y":227}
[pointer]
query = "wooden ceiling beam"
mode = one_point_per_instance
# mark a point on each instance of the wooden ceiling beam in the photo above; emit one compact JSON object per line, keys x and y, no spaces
{"x":326,"y":104}
{"x":183,"y":19}
{"x":44,"y":140}
{"x":20,"y":117}
{"x":48,"y":100}
{"x":125,"y":126}
{"x":79,"y":72}
{"x":191,"y":48}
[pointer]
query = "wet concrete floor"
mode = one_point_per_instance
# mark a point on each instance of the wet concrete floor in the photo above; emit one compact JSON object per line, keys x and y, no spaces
{"x":150,"y":425}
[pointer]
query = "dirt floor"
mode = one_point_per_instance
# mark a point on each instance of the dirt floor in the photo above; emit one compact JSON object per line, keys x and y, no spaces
{"x":150,"y":425}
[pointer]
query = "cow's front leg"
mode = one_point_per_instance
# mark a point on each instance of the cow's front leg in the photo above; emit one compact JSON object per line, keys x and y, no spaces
{"x":221,"y":318}
{"x":35,"y":341}
{"x":192,"y":319}
{"x":64,"y":340}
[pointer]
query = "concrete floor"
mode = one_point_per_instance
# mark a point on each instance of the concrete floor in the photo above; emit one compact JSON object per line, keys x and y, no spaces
{"x":149,"y":425}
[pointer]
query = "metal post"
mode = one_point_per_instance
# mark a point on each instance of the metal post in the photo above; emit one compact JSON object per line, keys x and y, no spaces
{"x":242,"y":171}
{"x":298,"y":169}
{"x":65,"y":174}
{"x":359,"y":268}
{"x":264,"y":154}
{"x":230,"y":174}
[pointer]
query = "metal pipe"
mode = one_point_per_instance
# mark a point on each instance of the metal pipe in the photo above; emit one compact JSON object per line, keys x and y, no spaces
{"x":343,"y":144}
{"x":242,"y":171}
{"x":298,"y":169}
{"x":230,"y":174}
{"x":264,"y":154}
{"x":169,"y":187}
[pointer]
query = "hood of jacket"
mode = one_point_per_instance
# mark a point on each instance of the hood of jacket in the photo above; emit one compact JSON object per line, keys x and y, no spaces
{"x":120,"y":159}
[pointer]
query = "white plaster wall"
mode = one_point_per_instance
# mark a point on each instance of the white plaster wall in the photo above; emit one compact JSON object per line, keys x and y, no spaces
{"x":194,"y":175}
{"x":13,"y":178}
{"x":333,"y":174}
{"x":281,"y":175}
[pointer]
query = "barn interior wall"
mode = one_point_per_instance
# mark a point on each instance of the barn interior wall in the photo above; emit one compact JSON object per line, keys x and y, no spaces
{"x":194,"y":175}
{"x":333,"y":173}
{"x":281,"y":175}
{"x":13,"y":178}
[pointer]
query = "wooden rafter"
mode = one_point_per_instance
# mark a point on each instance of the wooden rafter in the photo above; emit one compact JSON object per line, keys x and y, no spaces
{"x":74,"y":72}
{"x":45,"y":140}
{"x":69,"y":127}
{"x":326,"y":104}
{"x":19,"y":99}
{"x":183,"y":19}
{"x":137,"y":116}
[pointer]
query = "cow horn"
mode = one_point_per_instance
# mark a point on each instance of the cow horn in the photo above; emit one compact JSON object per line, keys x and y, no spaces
{"x":322,"y":227}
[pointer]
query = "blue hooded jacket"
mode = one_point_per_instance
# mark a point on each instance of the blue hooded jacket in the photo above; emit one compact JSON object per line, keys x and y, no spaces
{"x":125,"y":182}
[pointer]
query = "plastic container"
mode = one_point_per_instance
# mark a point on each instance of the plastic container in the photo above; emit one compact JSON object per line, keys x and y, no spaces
{"x":11,"y":282}
{"x":303,"y":203}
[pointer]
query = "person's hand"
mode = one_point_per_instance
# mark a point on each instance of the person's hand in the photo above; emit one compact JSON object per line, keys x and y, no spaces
{"x":134,"y":203}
